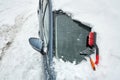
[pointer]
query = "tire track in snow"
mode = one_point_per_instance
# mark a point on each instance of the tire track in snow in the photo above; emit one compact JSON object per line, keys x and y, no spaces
{"x":4,"y":49}
{"x":8,"y":33}
{"x":21,"y":62}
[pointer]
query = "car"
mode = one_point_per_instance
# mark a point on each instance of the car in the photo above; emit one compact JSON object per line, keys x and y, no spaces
{"x":60,"y":36}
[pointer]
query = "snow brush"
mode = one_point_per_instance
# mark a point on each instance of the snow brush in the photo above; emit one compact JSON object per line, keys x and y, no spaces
{"x":92,"y":43}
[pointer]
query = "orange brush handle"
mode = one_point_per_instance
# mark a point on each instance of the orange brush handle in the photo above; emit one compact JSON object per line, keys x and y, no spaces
{"x":92,"y":64}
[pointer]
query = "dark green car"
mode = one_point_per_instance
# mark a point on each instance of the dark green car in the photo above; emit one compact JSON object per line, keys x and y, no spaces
{"x":60,"y":36}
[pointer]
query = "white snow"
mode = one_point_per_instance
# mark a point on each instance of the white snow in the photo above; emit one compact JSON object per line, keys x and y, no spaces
{"x":104,"y":17}
{"x":18,"y":22}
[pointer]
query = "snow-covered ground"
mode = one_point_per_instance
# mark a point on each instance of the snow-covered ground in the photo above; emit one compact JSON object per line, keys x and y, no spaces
{"x":18,"y":21}
{"x":104,"y":17}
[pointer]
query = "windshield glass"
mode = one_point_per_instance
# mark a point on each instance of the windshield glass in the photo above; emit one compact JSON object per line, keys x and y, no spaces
{"x":70,"y":38}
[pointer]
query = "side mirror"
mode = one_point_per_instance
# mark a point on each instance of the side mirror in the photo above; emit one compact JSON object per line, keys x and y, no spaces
{"x":36,"y":43}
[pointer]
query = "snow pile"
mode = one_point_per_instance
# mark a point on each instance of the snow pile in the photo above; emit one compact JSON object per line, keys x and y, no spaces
{"x":18,"y":22}
{"x":104,"y":17}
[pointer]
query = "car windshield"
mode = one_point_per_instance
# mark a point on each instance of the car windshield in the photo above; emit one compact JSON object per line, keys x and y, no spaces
{"x":70,"y":37}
